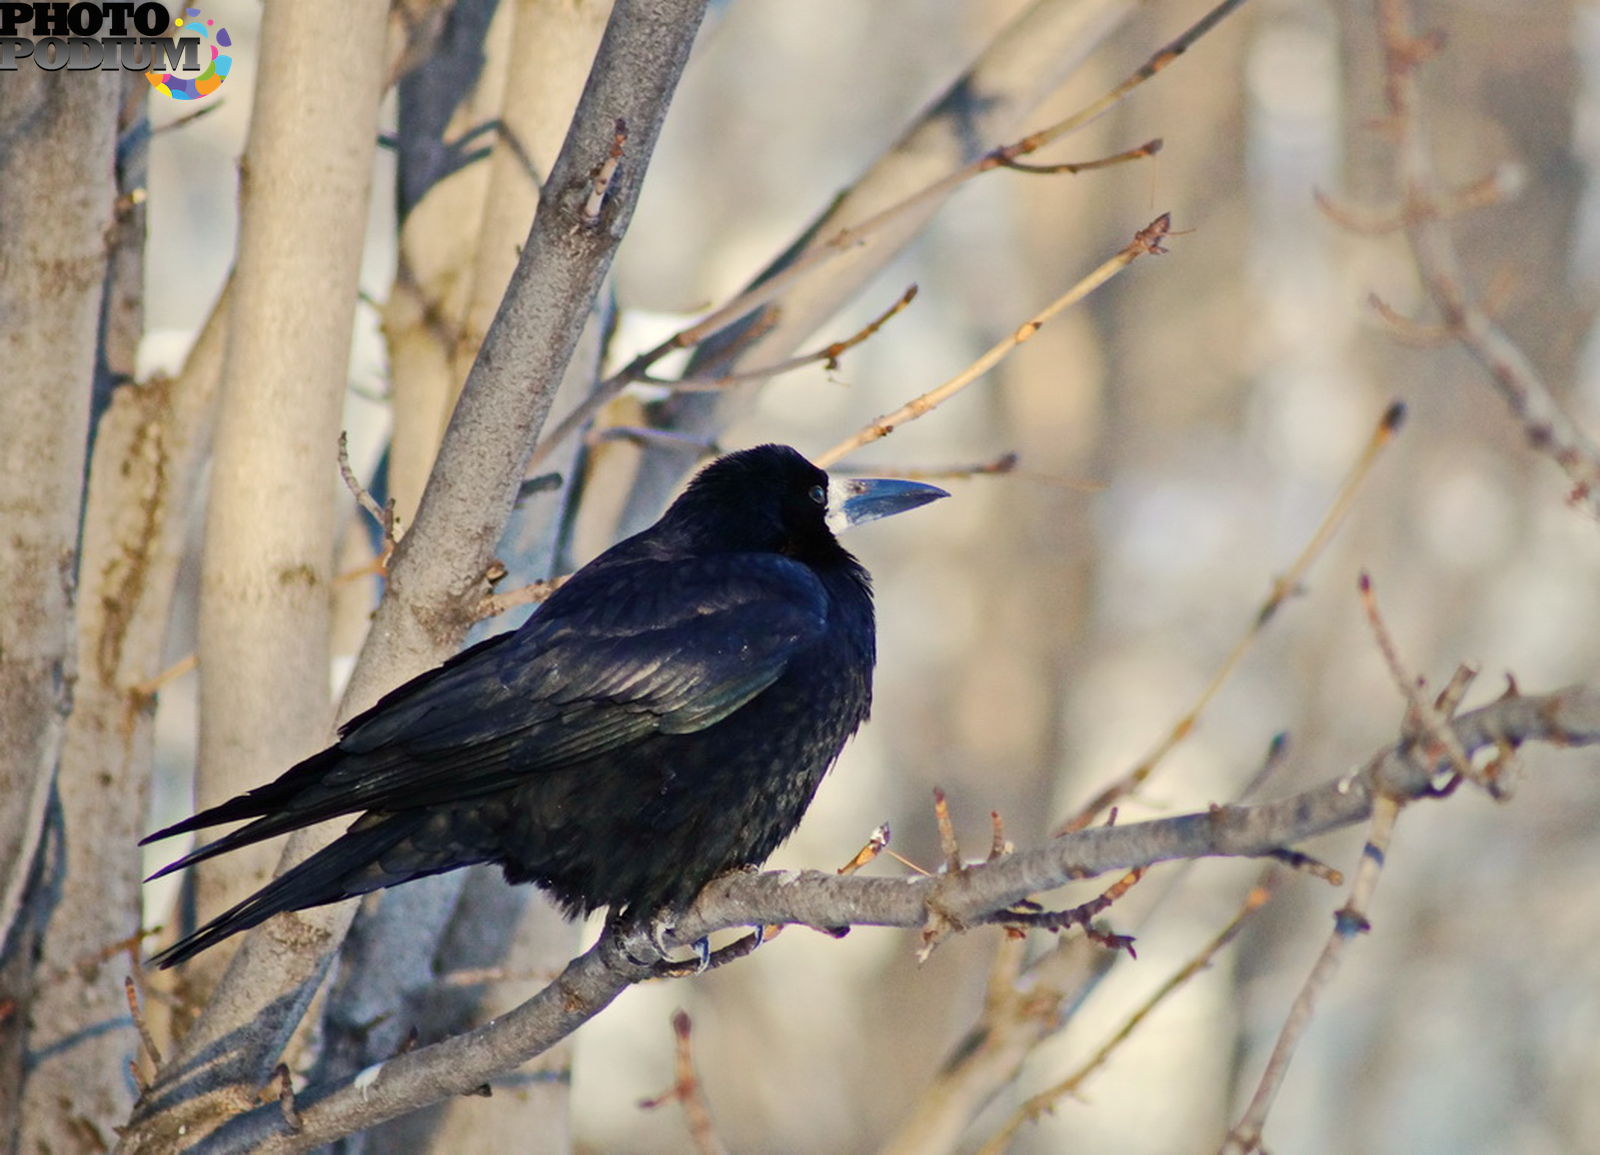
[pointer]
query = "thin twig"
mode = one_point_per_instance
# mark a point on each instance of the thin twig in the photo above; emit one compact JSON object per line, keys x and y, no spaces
{"x":1349,"y":921}
{"x":1408,"y":331}
{"x":147,"y":690}
{"x":493,"y":605}
{"x":1003,"y":465}
{"x":1282,"y":589}
{"x":999,"y":846}
{"x":828,"y":355}
{"x":1046,"y":1100}
{"x":1146,"y":242}
{"x":852,"y":238}
{"x":875,"y":846}
{"x":285,"y":1096}
{"x":1425,"y":210}
{"x":603,"y":176}
{"x":1147,"y":149}
{"x":1277,"y":756}
{"x":687,"y":1092}
{"x":146,"y":1039}
{"x":1022,"y":917}
{"x":383,"y":515}
{"x":1420,"y":714}
{"x":947,"y":832}
{"x":1156,"y":63}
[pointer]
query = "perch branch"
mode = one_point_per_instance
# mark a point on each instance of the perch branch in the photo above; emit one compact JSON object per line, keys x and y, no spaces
{"x":826,"y":900}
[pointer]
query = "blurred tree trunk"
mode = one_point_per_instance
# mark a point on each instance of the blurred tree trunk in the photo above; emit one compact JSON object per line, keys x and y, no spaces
{"x":448,"y":107}
{"x":57,"y":196}
{"x":270,"y":521}
{"x":149,"y":445}
{"x":264,"y":603}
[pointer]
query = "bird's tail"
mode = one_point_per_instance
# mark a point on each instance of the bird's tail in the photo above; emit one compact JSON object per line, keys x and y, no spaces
{"x":378,"y":850}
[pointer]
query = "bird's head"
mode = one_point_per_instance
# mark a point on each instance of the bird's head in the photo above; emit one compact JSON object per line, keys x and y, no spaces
{"x":771,"y":498}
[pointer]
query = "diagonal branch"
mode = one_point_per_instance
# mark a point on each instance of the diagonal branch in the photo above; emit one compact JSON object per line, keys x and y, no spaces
{"x":1146,"y":242}
{"x":1425,"y":212}
{"x":437,"y":575}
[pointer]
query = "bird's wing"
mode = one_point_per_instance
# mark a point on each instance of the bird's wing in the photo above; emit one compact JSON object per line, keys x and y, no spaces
{"x":641,"y":647}
{"x":659,"y":648}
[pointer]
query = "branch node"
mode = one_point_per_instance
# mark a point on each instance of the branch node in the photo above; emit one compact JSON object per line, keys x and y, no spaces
{"x":600,"y":180}
{"x":875,"y":845}
{"x":284,"y":1095}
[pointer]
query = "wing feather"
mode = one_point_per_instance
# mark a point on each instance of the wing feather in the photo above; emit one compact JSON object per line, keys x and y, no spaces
{"x":674,"y":647}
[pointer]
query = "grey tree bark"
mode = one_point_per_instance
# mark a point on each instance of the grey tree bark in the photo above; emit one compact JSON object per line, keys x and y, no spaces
{"x":57,"y":192}
{"x":150,"y":450}
{"x":404,"y":939}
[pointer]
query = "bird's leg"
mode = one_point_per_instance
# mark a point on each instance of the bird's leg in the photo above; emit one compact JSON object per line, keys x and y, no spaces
{"x":635,"y":939}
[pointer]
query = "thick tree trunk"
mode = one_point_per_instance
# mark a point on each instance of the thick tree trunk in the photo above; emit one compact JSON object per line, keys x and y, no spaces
{"x":57,"y":194}
{"x":271,"y":519}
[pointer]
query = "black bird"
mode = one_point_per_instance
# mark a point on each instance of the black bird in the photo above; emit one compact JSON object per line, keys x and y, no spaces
{"x":664,"y":717}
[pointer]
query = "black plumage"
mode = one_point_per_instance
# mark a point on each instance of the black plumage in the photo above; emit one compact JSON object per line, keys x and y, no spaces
{"x":665,"y":716}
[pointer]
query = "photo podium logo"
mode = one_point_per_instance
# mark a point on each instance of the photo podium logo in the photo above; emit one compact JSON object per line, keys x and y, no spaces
{"x":128,"y":35}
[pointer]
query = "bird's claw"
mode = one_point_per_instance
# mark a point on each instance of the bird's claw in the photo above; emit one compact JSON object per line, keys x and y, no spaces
{"x":661,"y":931}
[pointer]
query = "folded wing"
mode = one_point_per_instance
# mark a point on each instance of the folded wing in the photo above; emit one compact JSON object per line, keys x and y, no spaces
{"x":672,"y":647}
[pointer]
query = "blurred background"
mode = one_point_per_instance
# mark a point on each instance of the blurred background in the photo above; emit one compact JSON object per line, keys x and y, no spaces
{"x":1180,"y":436}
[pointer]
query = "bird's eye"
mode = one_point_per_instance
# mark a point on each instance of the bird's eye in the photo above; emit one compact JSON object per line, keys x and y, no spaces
{"x":819,"y":495}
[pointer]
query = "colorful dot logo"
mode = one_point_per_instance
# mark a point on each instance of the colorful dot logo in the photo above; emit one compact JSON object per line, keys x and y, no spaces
{"x":196,"y":87}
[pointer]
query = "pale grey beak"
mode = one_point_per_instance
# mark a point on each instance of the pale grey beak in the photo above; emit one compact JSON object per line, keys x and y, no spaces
{"x":852,"y":501}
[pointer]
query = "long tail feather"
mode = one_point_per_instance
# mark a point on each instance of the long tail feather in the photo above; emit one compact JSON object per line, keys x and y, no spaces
{"x":267,"y":801}
{"x":350,"y":866}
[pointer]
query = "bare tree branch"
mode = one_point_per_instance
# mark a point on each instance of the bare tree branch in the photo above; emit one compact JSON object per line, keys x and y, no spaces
{"x":1146,"y":242}
{"x":405,"y":936}
{"x":963,"y":899}
{"x":1022,"y":66}
{"x":1425,"y":213}
{"x":1351,"y":920}
{"x":1283,"y":587}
